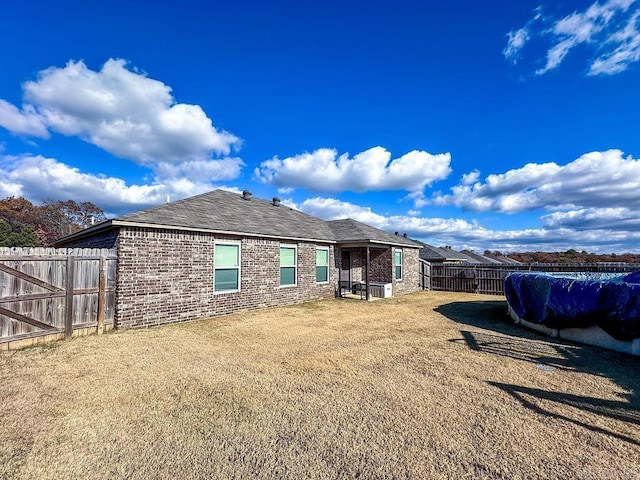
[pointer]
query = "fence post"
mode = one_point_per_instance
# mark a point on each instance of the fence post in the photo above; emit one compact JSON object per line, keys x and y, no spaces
{"x":68,"y":318}
{"x":102,"y":284}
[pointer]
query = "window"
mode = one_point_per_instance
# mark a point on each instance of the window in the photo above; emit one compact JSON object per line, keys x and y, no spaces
{"x":322,"y":265}
{"x":398,"y":263}
{"x":226,"y":276}
{"x":288,"y":266}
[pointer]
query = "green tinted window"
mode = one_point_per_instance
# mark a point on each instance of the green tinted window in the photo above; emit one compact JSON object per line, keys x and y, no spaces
{"x":322,"y":265}
{"x":398,"y":255}
{"x":226,"y":255}
{"x":287,"y":276}
{"x":287,"y":257}
{"x":287,"y":266}
{"x":226,"y":276}
{"x":226,"y":279}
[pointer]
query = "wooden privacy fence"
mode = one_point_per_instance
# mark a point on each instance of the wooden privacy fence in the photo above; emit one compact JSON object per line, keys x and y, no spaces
{"x":489,"y":279}
{"x":51,"y":293}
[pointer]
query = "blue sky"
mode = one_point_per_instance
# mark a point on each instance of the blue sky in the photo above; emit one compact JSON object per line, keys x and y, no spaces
{"x":495,"y":125}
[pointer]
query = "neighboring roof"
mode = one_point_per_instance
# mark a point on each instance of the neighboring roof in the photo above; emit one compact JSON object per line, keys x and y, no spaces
{"x":458,"y":256}
{"x":431,"y":253}
{"x":480,"y":258}
{"x":437,"y":254}
{"x":505,"y":260}
{"x":352,"y":231}
{"x":226,"y":212}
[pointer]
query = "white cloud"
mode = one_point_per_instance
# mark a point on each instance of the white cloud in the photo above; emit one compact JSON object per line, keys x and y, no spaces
{"x":125,"y":113}
{"x":583,"y":219}
{"x":595,"y":180}
{"x":609,"y":28}
{"x":372,"y":170}
{"x":37,"y":178}
{"x":557,"y":234}
{"x":418,"y":227}
{"x":26,"y":122}
{"x":627,"y":51}
{"x":197,"y":170}
{"x":471,"y":177}
{"x":515,"y":41}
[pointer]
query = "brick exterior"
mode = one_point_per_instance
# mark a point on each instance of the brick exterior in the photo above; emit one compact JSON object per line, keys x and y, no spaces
{"x":381,"y":265}
{"x":166,"y":276}
{"x":410,"y":272}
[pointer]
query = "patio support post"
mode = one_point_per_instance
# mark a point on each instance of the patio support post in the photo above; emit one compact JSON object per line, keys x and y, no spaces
{"x":366,"y":274}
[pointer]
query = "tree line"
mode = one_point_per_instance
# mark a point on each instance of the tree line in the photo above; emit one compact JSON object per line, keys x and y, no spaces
{"x":570,"y":256}
{"x":23,"y":224}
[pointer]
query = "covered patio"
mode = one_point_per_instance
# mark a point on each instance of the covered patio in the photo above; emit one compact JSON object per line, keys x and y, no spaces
{"x":366,"y":270}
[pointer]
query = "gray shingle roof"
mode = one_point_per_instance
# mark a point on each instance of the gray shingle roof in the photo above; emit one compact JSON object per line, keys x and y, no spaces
{"x":431,"y":253}
{"x":350,"y":231}
{"x":437,"y":254}
{"x":227,"y":212}
{"x":224,"y":211}
{"x":505,"y":260}
{"x":480,"y":258}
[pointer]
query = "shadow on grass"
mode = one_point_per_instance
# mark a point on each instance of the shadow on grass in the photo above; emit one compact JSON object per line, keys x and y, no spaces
{"x":500,"y":336}
{"x":622,"y":411}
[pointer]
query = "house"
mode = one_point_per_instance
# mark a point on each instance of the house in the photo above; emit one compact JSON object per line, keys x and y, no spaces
{"x":223,"y":252}
{"x":477,"y":258}
{"x":445,"y":255}
{"x":503,"y":259}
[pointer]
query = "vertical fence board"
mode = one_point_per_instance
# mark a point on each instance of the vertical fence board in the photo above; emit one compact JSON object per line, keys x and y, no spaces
{"x":68,"y":302}
{"x":102,"y":282}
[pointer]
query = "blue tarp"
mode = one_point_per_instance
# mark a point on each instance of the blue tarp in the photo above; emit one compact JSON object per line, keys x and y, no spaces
{"x":610,"y":301}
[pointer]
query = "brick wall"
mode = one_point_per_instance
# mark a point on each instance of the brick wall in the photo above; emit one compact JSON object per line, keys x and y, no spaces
{"x":357,"y":265}
{"x":410,"y":272}
{"x":380,"y":265}
{"x":166,"y":276}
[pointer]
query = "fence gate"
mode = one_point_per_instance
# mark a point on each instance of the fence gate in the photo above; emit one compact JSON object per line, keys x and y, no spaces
{"x":425,"y":275}
{"x":51,"y":293}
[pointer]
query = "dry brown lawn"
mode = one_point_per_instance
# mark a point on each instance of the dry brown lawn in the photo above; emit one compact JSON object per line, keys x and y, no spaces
{"x":430,"y":385}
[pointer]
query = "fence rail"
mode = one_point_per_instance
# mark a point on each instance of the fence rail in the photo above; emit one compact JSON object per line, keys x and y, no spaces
{"x":489,"y":279}
{"x":48,"y":293}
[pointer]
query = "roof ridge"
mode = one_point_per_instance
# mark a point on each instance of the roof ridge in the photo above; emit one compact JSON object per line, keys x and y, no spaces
{"x":357,"y":226}
{"x":163,"y":205}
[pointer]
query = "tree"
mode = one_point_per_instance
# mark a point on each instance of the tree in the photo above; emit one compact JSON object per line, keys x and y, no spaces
{"x":64,"y":218}
{"x":25,"y":237}
{"x":18,"y":212}
{"x":18,"y":220}
{"x":25,"y":224}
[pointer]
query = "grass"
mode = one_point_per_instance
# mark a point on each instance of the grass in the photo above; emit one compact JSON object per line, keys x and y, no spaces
{"x":429,"y":385}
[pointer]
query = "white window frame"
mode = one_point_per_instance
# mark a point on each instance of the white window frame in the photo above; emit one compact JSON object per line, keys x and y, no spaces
{"x":325,"y":249}
{"x":401,"y":265}
{"x":295,"y":265}
{"x":239,"y":267}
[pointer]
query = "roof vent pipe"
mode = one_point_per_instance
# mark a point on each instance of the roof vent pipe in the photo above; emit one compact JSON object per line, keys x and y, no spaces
{"x":246,"y":194}
{"x":276,"y":202}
